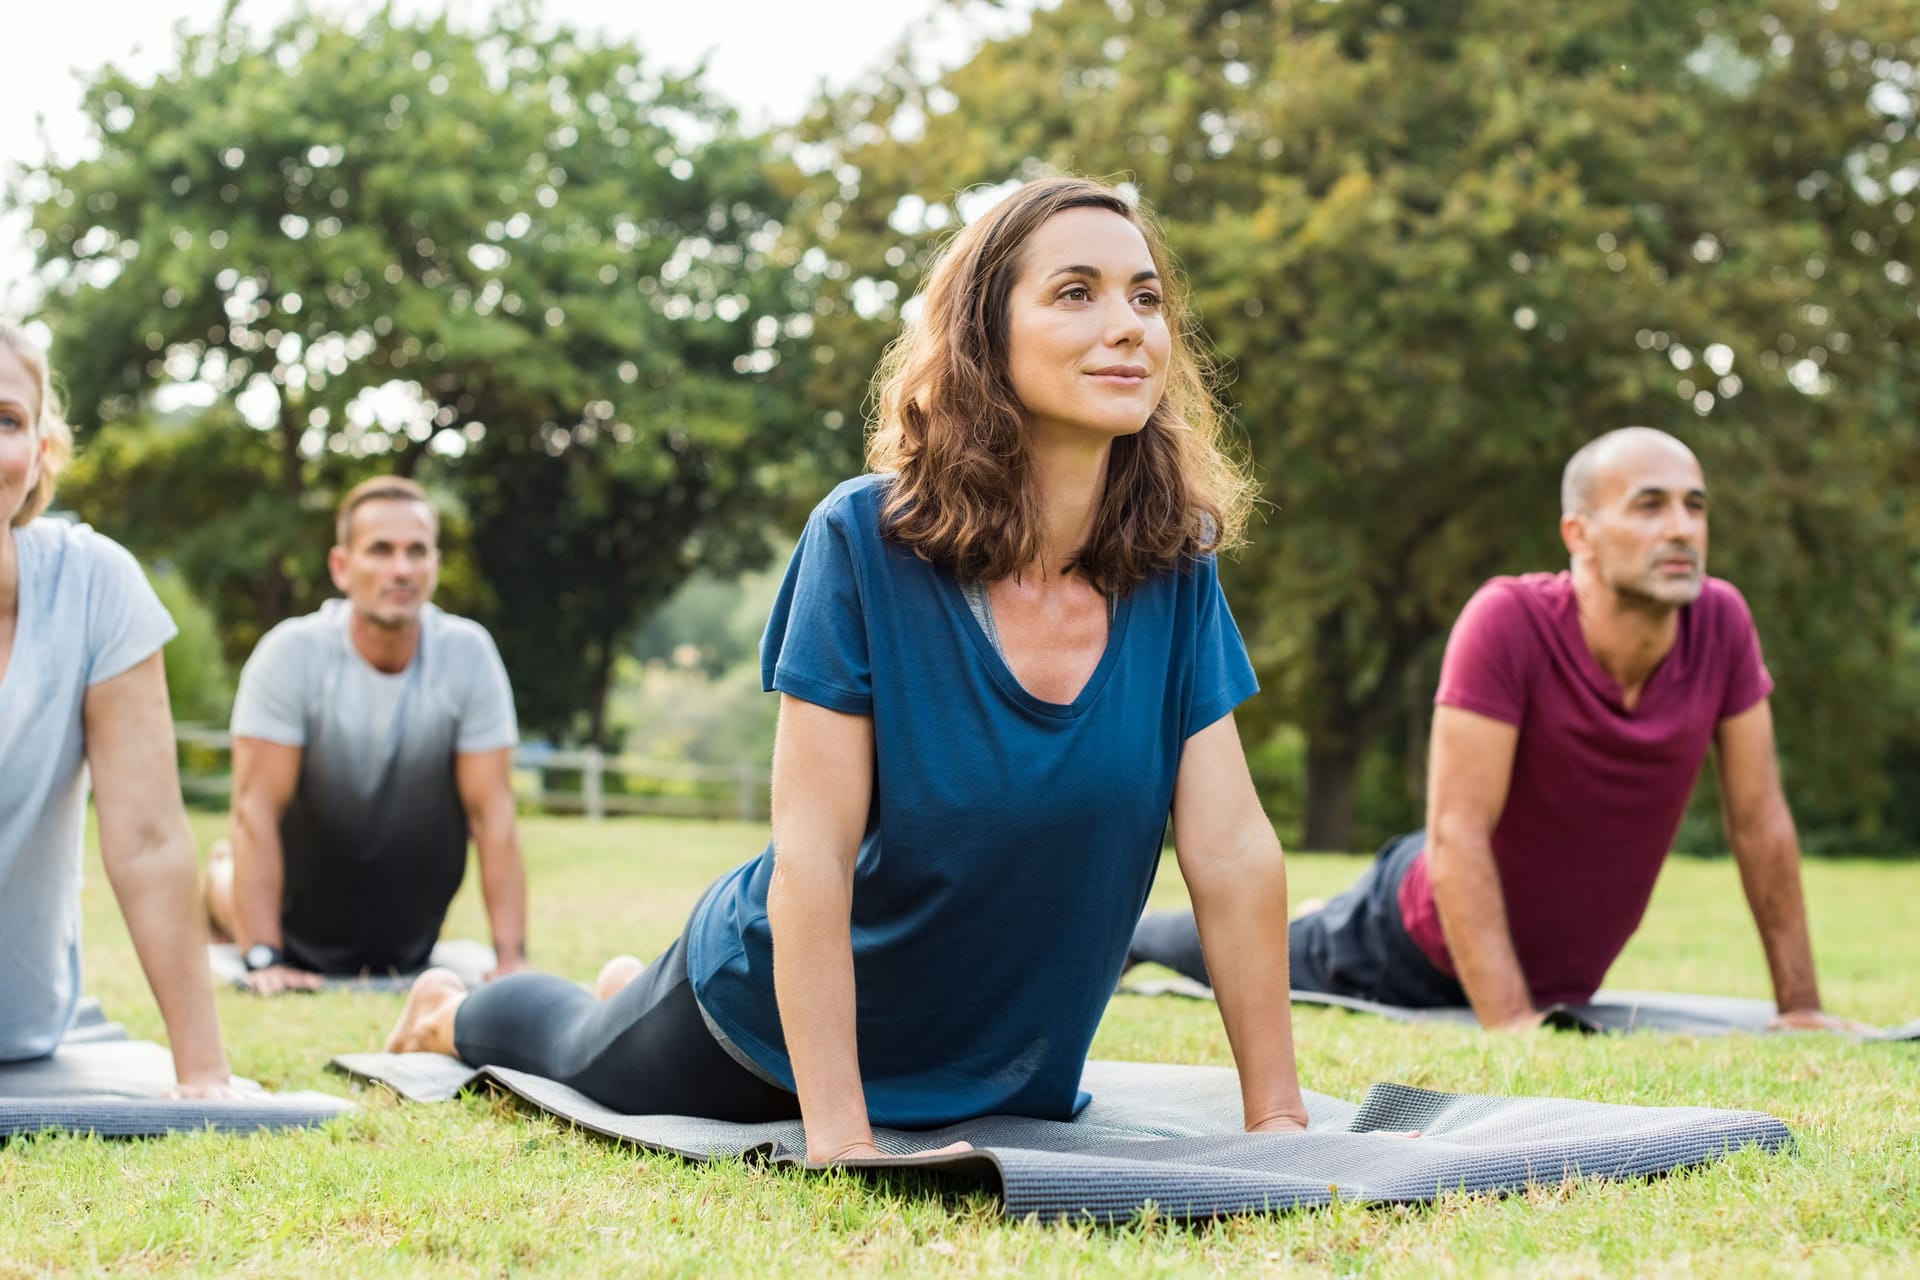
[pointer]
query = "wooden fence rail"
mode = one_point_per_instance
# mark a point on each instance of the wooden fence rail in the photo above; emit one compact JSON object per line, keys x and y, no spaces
{"x":589,"y":782}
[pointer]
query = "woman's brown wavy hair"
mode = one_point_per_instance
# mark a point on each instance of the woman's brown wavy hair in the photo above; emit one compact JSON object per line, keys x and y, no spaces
{"x":953,"y":434}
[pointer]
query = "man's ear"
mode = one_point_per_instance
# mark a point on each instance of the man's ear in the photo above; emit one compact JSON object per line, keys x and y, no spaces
{"x":337,"y":567}
{"x":1573,"y":532}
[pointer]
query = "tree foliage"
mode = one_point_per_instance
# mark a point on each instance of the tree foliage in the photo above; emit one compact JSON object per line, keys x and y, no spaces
{"x":1439,"y":246}
{"x":510,"y":256}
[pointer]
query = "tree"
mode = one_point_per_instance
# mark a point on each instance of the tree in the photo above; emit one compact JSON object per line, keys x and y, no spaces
{"x":1439,"y":246}
{"x":428,"y":249}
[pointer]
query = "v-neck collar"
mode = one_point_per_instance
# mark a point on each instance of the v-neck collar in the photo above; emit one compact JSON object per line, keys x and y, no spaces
{"x":956,"y":600}
{"x":1670,"y":668}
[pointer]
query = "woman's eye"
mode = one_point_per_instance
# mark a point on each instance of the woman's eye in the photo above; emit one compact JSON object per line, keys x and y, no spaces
{"x":1076,"y":293}
{"x":1147,"y":300}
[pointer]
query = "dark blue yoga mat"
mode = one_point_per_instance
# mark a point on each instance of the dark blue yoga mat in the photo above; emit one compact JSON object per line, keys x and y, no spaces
{"x":1171,"y":1138}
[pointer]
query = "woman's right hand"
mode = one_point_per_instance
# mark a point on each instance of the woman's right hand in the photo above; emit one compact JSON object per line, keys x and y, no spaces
{"x":866,"y":1150}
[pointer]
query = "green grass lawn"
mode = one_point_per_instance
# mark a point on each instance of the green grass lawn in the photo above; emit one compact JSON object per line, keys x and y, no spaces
{"x":476,"y":1188}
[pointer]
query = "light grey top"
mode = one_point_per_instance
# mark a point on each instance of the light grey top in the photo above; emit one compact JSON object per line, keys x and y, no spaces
{"x":305,"y":685}
{"x":982,"y":609}
{"x":86,"y":614}
{"x":976,"y":593}
{"x":374,"y":840}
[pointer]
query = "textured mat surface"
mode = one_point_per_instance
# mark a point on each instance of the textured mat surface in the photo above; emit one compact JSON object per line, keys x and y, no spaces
{"x":98,"y":1081}
{"x":1608,"y":1012}
{"x":1170,"y":1137}
{"x":470,"y":959}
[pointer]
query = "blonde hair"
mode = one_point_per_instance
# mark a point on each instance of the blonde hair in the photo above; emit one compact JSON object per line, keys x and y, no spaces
{"x":49,"y":420}
{"x":378,"y":489}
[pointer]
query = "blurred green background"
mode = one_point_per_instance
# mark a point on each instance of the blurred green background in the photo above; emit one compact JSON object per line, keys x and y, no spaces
{"x":626,"y":341}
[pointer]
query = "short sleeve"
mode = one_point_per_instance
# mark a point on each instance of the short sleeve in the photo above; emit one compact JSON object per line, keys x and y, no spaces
{"x":271,"y":703}
{"x":1222,"y":674}
{"x":487,"y":721}
{"x":1482,"y":671}
{"x":1748,"y":680}
{"x":126,"y":623}
{"x":815,"y":646}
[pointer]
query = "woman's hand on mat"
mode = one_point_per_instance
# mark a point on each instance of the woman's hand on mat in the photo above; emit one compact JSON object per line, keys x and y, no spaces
{"x":219,"y":1087}
{"x":281,"y":977}
{"x":1279,"y":1124}
{"x":1531,"y":1020}
{"x":1816,"y":1020}
{"x":868,"y":1151}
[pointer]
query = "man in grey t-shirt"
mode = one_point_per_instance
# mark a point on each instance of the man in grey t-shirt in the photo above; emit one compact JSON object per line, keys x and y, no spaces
{"x":368,"y":740}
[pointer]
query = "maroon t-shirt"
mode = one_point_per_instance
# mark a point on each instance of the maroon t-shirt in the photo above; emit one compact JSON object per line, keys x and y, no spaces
{"x":1597,"y":790}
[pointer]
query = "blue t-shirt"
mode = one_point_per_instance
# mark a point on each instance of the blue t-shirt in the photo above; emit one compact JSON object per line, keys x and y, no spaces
{"x":1011,"y":842}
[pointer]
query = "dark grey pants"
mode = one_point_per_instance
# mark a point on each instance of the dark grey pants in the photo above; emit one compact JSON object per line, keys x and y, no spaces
{"x":1355,"y":946}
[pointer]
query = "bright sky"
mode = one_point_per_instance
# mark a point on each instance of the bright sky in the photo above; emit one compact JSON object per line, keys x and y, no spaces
{"x":768,"y":57}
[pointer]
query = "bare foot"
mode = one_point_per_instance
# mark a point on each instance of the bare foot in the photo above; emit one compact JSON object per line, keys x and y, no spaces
{"x":426,"y":1024}
{"x":1307,"y":908}
{"x":615,"y":974}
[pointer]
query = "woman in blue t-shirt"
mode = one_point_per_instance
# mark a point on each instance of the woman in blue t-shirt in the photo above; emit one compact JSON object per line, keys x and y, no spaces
{"x":1003,"y":659}
{"x":82,"y":690}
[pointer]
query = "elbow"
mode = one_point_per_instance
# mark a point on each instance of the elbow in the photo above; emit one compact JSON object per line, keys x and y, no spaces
{"x":1251,"y":867}
{"x":1454,"y":851}
{"x":148,"y":851}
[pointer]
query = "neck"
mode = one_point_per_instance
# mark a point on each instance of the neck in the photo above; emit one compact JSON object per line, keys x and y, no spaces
{"x":1069,"y":478}
{"x":1628,"y":636}
{"x":386,"y":649}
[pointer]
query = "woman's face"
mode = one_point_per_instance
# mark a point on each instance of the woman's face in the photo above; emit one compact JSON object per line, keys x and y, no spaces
{"x":20,"y":444}
{"x":1087,"y":341}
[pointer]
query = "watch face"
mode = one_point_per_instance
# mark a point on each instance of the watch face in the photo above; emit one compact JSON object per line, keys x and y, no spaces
{"x":260,"y":956}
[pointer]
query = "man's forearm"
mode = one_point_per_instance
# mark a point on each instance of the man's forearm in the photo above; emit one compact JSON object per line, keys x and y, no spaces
{"x":503,"y":883}
{"x":1769,"y":861}
{"x":259,"y":876}
{"x":1473,"y":915}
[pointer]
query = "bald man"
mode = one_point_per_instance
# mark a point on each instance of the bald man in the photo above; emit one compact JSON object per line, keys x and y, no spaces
{"x":1574,"y":712}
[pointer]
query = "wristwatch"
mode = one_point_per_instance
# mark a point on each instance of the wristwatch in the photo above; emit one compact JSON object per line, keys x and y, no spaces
{"x":261,"y":955}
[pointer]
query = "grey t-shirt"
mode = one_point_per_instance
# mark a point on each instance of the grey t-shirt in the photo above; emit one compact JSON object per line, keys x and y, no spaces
{"x":86,"y":614}
{"x":375,"y":838}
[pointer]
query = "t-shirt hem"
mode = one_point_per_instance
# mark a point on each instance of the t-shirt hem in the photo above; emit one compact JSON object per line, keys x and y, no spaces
{"x":1215,"y":709}
{"x":269,"y":733}
{"x":1760,"y":695}
{"x":1479,"y":706}
{"x":821,"y":693}
{"x":140,"y":651}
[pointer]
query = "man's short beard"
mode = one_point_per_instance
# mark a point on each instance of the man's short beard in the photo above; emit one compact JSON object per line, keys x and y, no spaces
{"x":1635,"y":596}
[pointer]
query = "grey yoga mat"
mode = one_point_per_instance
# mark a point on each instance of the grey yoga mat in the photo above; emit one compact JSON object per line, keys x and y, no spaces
{"x":470,"y":959}
{"x":1170,"y":1137}
{"x":1608,"y":1011}
{"x":100,"y":1082}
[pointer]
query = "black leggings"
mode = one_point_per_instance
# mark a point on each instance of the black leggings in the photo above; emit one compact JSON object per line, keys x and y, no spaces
{"x":644,"y":1051}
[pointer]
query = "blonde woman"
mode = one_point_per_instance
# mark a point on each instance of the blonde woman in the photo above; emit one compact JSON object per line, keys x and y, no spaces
{"x":82,"y":691}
